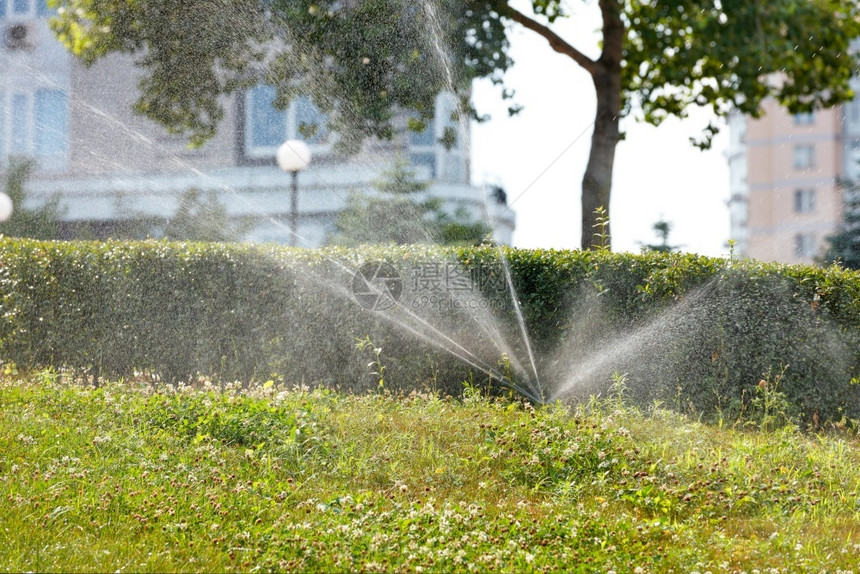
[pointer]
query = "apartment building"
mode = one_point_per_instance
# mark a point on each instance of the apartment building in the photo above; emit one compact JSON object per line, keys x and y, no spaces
{"x":109,"y":165}
{"x":785,"y":197}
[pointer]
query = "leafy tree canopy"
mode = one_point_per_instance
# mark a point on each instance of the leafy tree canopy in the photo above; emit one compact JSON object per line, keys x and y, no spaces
{"x":370,"y":56}
{"x":201,"y":217}
{"x":734,"y":53}
{"x":362,"y":61}
{"x":394,"y":214}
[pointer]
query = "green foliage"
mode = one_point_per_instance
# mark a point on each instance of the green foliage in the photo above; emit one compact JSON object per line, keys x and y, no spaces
{"x":201,"y":217}
{"x":844,"y":246}
{"x":705,"y":332}
{"x":662,"y":229}
{"x":189,"y":60}
{"x":379,"y":55}
{"x":279,"y":479}
{"x":239,"y":421}
{"x":376,"y":363}
{"x":769,"y":408}
{"x":394,"y":215}
{"x":41,"y":223}
{"x":364,"y":62}
{"x":724,"y":56}
{"x":460,"y":229}
{"x":602,"y":240}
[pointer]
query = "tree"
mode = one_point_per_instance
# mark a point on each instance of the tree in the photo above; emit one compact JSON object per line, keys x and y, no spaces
{"x":395,"y":215}
{"x":363,"y":60}
{"x":201,"y":217}
{"x":662,"y":228}
{"x":40,"y":223}
{"x":844,"y":246}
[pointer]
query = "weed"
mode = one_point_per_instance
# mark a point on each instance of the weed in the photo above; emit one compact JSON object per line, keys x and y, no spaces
{"x":601,"y":227}
{"x":768,"y":408}
{"x":618,"y":391}
{"x":376,"y":363}
{"x":47,"y":376}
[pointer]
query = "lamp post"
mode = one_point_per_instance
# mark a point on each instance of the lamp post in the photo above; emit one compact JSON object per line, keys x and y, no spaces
{"x":6,"y":207}
{"x":294,"y":156}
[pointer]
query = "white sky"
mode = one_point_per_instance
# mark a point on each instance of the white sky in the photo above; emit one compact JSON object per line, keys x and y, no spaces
{"x":539,"y":156}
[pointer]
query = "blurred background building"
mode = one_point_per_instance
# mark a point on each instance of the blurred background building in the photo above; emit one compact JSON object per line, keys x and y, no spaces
{"x":110,"y":167}
{"x":786,"y":198}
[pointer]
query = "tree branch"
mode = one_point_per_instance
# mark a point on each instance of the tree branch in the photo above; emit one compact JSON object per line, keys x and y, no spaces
{"x":556,"y":42}
{"x":613,"y":33}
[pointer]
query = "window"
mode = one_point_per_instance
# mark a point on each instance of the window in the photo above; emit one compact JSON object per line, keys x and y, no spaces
{"x":24,"y":8}
{"x":804,"y":156}
{"x":266,"y":127}
{"x":36,"y":125}
{"x":805,"y":118}
{"x":51,"y":123}
{"x":427,"y":159}
{"x":852,"y":160}
{"x":453,"y":168}
{"x":18,"y":144}
{"x":804,"y":200}
{"x":310,"y":122}
{"x":453,"y":145}
{"x":426,"y":137}
{"x":851,"y":110}
{"x":804,"y":245}
{"x":422,"y":148}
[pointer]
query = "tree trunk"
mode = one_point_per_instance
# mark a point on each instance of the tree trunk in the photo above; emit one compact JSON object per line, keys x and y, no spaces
{"x":597,"y":181}
{"x":606,"y":74}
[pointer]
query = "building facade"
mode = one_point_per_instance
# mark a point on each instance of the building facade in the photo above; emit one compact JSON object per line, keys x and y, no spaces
{"x":109,"y":166}
{"x":786,"y":198}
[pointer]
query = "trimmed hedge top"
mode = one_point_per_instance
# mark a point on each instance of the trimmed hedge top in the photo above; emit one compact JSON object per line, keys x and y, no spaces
{"x":697,"y":331}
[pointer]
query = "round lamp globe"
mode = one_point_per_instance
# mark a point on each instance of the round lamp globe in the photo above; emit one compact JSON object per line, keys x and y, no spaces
{"x":293,"y":155}
{"x":6,"y":207}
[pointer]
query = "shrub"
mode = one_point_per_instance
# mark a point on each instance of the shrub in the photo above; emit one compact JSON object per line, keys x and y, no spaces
{"x":697,"y":333}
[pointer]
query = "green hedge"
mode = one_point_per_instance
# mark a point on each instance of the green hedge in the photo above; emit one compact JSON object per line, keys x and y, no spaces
{"x":694,"y":332}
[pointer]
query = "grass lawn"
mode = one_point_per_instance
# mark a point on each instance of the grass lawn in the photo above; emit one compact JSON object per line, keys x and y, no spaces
{"x":124,"y":479}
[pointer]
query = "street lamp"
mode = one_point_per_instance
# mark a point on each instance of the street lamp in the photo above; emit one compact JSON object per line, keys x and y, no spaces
{"x":294,"y":156}
{"x":5,"y":207}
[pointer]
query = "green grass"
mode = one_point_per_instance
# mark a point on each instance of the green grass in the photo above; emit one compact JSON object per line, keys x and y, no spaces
{"x":123,"y":478}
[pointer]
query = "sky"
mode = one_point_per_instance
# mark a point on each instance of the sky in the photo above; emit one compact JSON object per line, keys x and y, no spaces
{"x":539,"y":155}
